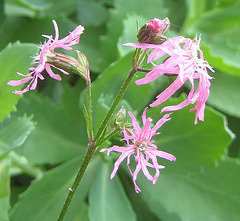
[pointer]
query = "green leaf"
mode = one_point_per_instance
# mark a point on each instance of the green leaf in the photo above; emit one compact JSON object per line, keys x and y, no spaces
{"x":36,"y":4}
{"x":91,"y":13}
{"x":14,"y":132}
{"x":107,"y":199}
{"x":14,"y":8}
{"x":225,"y":93}
{"x":128,"y":34}
{"x":58,"y":136}
{"x":220,"y":30}
{"x":44,"y":199}
{"x":80,"y":212}
{"x":4,"y":189}
{"x":90,"y":46}
{"x":59,"y":8}
{"x":234,"y":148}
{"x":203,"y":143}
{"x":211,"y":193}
{"x":14,"y":58}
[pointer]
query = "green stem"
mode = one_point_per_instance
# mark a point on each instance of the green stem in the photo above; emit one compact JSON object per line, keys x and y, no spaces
{"x":114,"y":104}
{"x":24,"y":165}
{"x":101,"y":140}
{"x":89,"y":123}
{"x":90,"y":151}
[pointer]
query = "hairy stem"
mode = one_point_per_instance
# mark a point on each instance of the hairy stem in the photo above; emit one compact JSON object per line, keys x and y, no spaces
{"x":90,"y":151}
{"x":89,"y":123}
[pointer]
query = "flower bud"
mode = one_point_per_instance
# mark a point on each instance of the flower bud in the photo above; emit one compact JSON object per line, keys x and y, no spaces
{"x":153,"y":31}
{"x":118,"y":118}
{"x":78,"y":66}
{"x":84,"y":66}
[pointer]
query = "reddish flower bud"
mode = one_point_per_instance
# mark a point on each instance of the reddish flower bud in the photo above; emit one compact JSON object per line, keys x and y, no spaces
{"x":153,"y":31}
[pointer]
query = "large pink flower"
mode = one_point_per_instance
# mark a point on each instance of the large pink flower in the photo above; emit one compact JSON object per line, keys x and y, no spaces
{"x":186,"y":61}
{"x":41,"y":58}
{"x":139,"y":142}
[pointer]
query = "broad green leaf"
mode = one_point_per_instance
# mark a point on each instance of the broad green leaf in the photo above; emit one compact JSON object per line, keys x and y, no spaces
{"x":14,"y":132}
{"x":203,"y":143}
{"x":59,"y":8}
{"x":14,"y":8}
{"x":91,"y":13}
{"x":4,"y":190}
{"x":78,"y":212}
{"x":220,"y":29}
{"x":225,"y":92}
{"x":90,"y":46}
{"x":234,"y":148}
{"x":58,"y":135}
{"x":36,"y":4}
{"x":115,"y":25}
{"x":129,"y":32}
{"x":14,"y":58}
{"x":44,"y":198}
{"x":209,"y":194}
{"x":107,"y":199}
{"x":139,"y":205}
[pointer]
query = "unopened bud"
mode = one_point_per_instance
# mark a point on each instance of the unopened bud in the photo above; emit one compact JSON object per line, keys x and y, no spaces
{"x":153,"y":32}
{"x":118,"y":118}
{"x":84,"y":66}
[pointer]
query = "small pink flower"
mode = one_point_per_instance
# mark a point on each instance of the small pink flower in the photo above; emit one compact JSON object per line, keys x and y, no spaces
{"x":139,"y":143}
{"x":41,"y":59}
{"x":187,"y":62}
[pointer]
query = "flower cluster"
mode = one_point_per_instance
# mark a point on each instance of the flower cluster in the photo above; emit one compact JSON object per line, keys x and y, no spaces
{"x":42,"y":59}
{"x":140,"y":144}
{"x":184,"y":61}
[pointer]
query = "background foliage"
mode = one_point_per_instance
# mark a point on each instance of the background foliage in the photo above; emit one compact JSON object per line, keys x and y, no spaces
{"x":42,"y":134}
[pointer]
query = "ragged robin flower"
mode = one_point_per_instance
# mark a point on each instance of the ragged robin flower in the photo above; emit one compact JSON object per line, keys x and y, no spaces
{"x":140,"y":144}
{"x":42,"y":58}
{"x":185,"y":60}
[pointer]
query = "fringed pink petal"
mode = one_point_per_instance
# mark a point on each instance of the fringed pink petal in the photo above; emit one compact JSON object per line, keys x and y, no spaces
{"x":19,"y":82}
{"x":134,"y":123}
{"x":167,"y":92}
{"x":51,"y":74}
{"x":162,"y":121}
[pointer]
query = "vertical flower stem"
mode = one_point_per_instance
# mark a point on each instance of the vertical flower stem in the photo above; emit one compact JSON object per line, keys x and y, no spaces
{"x":89,"y":100}
{"x":114,"y":104}
{"x":90,"y":151}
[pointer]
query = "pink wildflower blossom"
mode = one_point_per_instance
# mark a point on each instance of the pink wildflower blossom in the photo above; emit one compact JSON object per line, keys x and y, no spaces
{"x":41,"y":58}
{"x":139,"y":142}
{"x":187,"y":62}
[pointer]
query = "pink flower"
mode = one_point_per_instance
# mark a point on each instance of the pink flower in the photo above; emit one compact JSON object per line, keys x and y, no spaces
{"x":139,"y":143}
{"x":187,"y":62}
{"x":41,"y":59}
